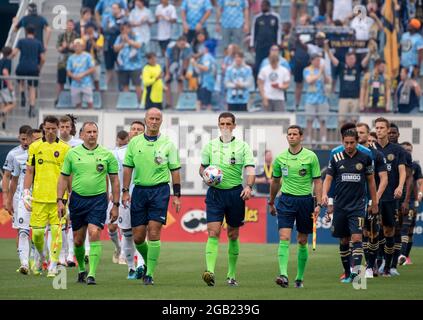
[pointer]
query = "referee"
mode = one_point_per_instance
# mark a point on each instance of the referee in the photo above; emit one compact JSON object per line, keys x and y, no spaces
{"x":86,"y":167}
{"x":151,"y":156}
{"x":300,"y":170}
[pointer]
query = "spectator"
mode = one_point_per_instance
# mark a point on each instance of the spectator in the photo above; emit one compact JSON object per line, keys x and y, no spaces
{"x":166,"y":16}
{"x":194,"y":15}
{"x":265,"y":32}
{"x":198,"y":43}
{"x":38,"y":22}
{"x":104,"y":8}
{"x":342,"y":9}
{"x":349,"y":91}
{"x":111,"y":30}
{"x":94,"y":44}
{"x":298,"y":8}
{"x":375,"y":93}
{"x":7,"y":95}
{"x":300,"y":62}
{"x":178,"y":55}
{"x":285,"y":42}
{"x":264,"y":179}
{"x":152,"y":75}
{"x":412,"y":48}
{"x":318,"y":47}
{"x":86,"y":18}
{"x":275,"y":51}
{"x":205,"y":66}
{"x":141,"y":19}
{"x":408,"y":93}
{"x":65,"y":47}
{"x":232,"y":21}
{"x":31,"y":60}
{"x":80,"y":67}
{"x":130,"y":51}
{"x":316,"y":101}
{"x":238,"y":82}
{"x":91,"y":4}
{"x":273,"y":79}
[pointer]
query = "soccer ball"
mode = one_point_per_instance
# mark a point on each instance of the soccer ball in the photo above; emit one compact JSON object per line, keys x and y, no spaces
{"x":212,"y":175}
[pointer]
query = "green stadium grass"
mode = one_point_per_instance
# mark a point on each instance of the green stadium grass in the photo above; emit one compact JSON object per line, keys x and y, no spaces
{"x":178,"y":276}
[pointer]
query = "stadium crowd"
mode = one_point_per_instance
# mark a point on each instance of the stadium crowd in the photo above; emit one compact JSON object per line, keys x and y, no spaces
{"x":332,"y":52}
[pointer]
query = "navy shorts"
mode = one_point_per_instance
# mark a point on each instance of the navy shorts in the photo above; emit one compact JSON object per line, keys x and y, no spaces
{"x":86,"y":210}
{"x":204,"y":96}
{"x":149,"y":203}
{"x":347,"y":223}
{"x":226,"y":204}
{"x":389,"y":212}
{"x":298,"y":209}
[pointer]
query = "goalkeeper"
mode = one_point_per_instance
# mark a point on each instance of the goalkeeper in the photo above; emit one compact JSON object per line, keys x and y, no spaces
{"x":45,"y":160}
{"x":227,"y":199}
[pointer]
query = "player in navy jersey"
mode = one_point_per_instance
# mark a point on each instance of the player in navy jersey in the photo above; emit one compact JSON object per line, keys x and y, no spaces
{"x":352,"y":170}
{"x":409,"y":220}
{"x":371,"y":226}
{"x":389,"y":204}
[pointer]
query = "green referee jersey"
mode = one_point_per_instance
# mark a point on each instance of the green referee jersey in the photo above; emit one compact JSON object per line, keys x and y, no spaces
{"x":297,"y":171}
{"x":89,"y":169}
{"x":230,"y":157}
{"x":152,"y":160}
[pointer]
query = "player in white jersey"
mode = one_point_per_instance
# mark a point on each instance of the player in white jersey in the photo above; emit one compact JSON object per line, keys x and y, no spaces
{"x":11,"y":198}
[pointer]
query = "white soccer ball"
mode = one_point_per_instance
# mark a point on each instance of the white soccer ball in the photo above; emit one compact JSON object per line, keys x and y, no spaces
{"x":212,"y":175}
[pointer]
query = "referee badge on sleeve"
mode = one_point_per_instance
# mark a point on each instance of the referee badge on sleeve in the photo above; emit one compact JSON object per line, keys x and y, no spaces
{"x":285,"y":172}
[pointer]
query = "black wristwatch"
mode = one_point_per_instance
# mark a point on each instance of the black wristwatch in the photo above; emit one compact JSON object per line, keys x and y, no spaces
{"x":125,"y":190}
{"x":116,"y":204}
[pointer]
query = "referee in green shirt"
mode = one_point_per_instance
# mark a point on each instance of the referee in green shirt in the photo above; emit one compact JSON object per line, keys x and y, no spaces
{"x":299,"y":169}
{"x":88,"y":166}
{"x":227,"y":199}
{"x":153,"y":158}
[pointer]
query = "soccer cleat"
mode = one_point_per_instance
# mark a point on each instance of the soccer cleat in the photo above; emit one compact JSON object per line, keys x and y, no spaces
{"x":148,"y":280}
{"x":209,"y":278}
{"x":91,"y":281}
{"x":132,"y":275}
{"x":37,"y":268}
{"x":82,"y":277}
{"x":394,"y":272}
{"x":350,"y":278}
{"x":299,"y":284}
{"x":369,"y":273}
{"x":408,"y":261}
{"x":52,"y":272}
{"x":122,"y":260}
{"x":141,"y":271}
{"x":45,"y":266}
{"x":116,"y":255}
{"x":386,"y":274}
{"x":232,"y":282}
{"x":23,"y":270}
{"x":402,"y":259}
{"x":282,"y":281}
{"x":382,"y":267}
{"x":70,"y":264}
{"x":342,"y":276}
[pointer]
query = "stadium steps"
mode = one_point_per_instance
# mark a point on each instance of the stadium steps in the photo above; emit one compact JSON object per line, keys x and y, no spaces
{"x":128,"y":101}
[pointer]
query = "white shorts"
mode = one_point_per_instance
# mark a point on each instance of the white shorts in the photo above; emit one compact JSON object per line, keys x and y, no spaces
{"x":6,"y":97}
{"x":86,"y":93}
{"x":21,"y":216}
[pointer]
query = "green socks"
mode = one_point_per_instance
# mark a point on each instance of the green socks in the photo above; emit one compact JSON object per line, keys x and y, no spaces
{"x":38,"y":239}
{"x":143,"y":250}
{"x":233,"y":252}
{"x":283,"y":255}
{"x":302,"y":260}
{"x":211,"y":253}
{"x":80,"y":257}
{"x":152,"y":256}
{"x":96,"y":249}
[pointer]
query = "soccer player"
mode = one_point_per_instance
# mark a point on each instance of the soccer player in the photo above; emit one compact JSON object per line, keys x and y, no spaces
{"x":371,"y":226}
{"x":11,"y":198}
{"x":150,"y":197}
{"x":45,"y":160}
{"x":227,"y":199}
{"x":395,"y":162}
{"x":409,"y":221}
{"x":88,"y":166}
{"x":299,"y":170}
{"x":404,"y":201}
{"x":350,"y":169}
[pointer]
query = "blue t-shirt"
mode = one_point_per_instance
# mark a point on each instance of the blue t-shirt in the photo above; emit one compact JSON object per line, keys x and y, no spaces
{"x":78,"y":63}
{"x":243,"y":74}
{"x":282,"y":62}
{"x":30,"y":53}
{"x":410,"y":45}
{"x":104,"y":7}
{"x":195,"y":10}
{"x":130,"y":58}
{"x":175,"y":54}
{"x":38,"y":22}
{"x":232,"y":13}
{"x":207,"y":78}
{"x":315,"y":93}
